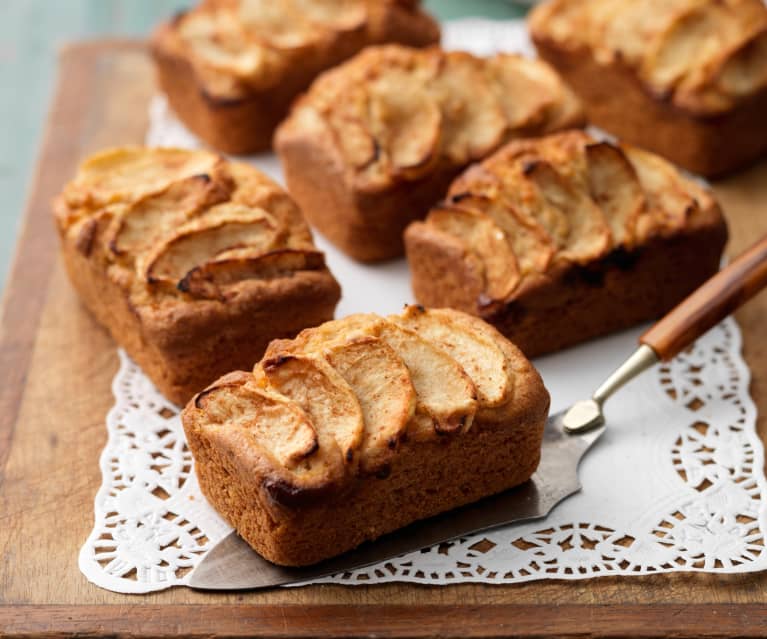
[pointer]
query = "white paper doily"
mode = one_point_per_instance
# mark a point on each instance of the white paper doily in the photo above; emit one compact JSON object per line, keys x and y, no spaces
{"x":675,"y":483}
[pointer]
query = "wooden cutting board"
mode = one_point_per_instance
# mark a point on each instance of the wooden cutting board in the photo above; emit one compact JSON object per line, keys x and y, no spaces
{"x":57,"y":366}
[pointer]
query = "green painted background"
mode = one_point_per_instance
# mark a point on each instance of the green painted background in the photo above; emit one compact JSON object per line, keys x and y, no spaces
{"x":31,"y":31}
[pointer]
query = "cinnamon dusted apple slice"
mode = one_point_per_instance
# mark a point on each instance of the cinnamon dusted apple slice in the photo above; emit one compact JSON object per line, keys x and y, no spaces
{"x":405,"y":120}
{"x":615,"y":187}
{"x":474,"y":122}
{"x":254,"y":423}
{"x":474,"y":350}
{"x":129,"y":174}
{"x":381,"y":382}
{"x":585,"y":236}
{"x":484,"y":238}
{"x":320,"y":391}
{"x":211,"y":279}
{"x":223,"y":228}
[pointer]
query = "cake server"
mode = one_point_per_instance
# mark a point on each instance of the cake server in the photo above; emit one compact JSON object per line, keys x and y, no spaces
{"x":568,"y":435}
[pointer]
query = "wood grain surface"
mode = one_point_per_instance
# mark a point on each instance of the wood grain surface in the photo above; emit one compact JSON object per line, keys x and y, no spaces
{"x":58,"y":366}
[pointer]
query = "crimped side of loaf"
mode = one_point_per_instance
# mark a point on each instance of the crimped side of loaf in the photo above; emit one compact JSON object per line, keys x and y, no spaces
{"x":231,"y":69}
{"x":685,"y":79}
{"x":363,"y":425}
{"x":192,"y":263}
{"x":561,"y":239}
{"x":375,"y":142}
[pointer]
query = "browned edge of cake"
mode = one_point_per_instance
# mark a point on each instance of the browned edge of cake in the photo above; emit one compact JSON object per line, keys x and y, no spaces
{"x":577,"y":303}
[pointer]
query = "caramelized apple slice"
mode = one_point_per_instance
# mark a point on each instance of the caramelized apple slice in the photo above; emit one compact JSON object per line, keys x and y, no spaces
{"x":446,"y":396}
{"x":217,"y":40}
{"x":321,"y":392}
{"x":156,"y":215}
{"x":483,"y":237}
{"x":275,"y":423}
{"x":254,"y":424}
{"x":381,"y":382}
{"x":737,"y":72}
{"x":473,"y":121}
{"x":520,"y":89}
{"x":405,"y":120}
{"x":688,"y":45}
{"x":627,"y":28}
{"x":586,"y":236}
{"x":669,"y":202}
{"x":339,"y":15}
{"x":615,"y":188}
{"x":271,"y":24}
{"x":225,"y":227}
{"x":129,"y":174}
{"x":479,"y":356}
{"x":209,"y":280}
{"x":479,"y":189}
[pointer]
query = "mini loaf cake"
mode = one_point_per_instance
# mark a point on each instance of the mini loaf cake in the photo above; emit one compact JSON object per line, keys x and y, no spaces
{"x":684,"y":78}
{"x":561,"y":239}
{"x":193,"y":263}
{"x":231,"y":68}
{"x":363,"y":425}
{"x":375,"y":142}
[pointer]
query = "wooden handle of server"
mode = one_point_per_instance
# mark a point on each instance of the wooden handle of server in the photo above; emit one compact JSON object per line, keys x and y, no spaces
{"x":711,"y":303}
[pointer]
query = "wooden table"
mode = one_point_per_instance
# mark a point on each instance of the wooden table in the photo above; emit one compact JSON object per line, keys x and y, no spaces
{"x":58,"y":366}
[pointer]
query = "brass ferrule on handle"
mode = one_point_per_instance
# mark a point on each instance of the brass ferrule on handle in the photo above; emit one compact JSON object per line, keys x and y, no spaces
{"x":642,"y":358}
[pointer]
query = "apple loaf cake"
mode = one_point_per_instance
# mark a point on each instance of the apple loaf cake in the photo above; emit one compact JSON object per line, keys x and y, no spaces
{"x":363,"y":425}
{"x":231,"y":68}
{"x":376,"y":141}
{"x":563,"y":238}
{"x":191,"y":262}
{"x":683,"y":78}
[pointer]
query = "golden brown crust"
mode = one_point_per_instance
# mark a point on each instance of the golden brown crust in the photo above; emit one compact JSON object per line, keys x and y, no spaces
{"x":231,"y":69}
{"x":193,"y":264}
{"x":686,"y":79}
{"x":375,"y":142}
{"x":602,"y":238}
{"x":297,"y":508}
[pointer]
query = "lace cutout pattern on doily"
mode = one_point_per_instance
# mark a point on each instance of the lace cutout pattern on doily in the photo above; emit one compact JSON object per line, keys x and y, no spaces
{"x":153,"y":524}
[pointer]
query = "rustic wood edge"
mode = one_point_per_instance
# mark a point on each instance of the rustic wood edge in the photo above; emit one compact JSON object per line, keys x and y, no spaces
{"x":710,"y":620}
{"x":24,"y":295}
{"x":35,"y":254}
